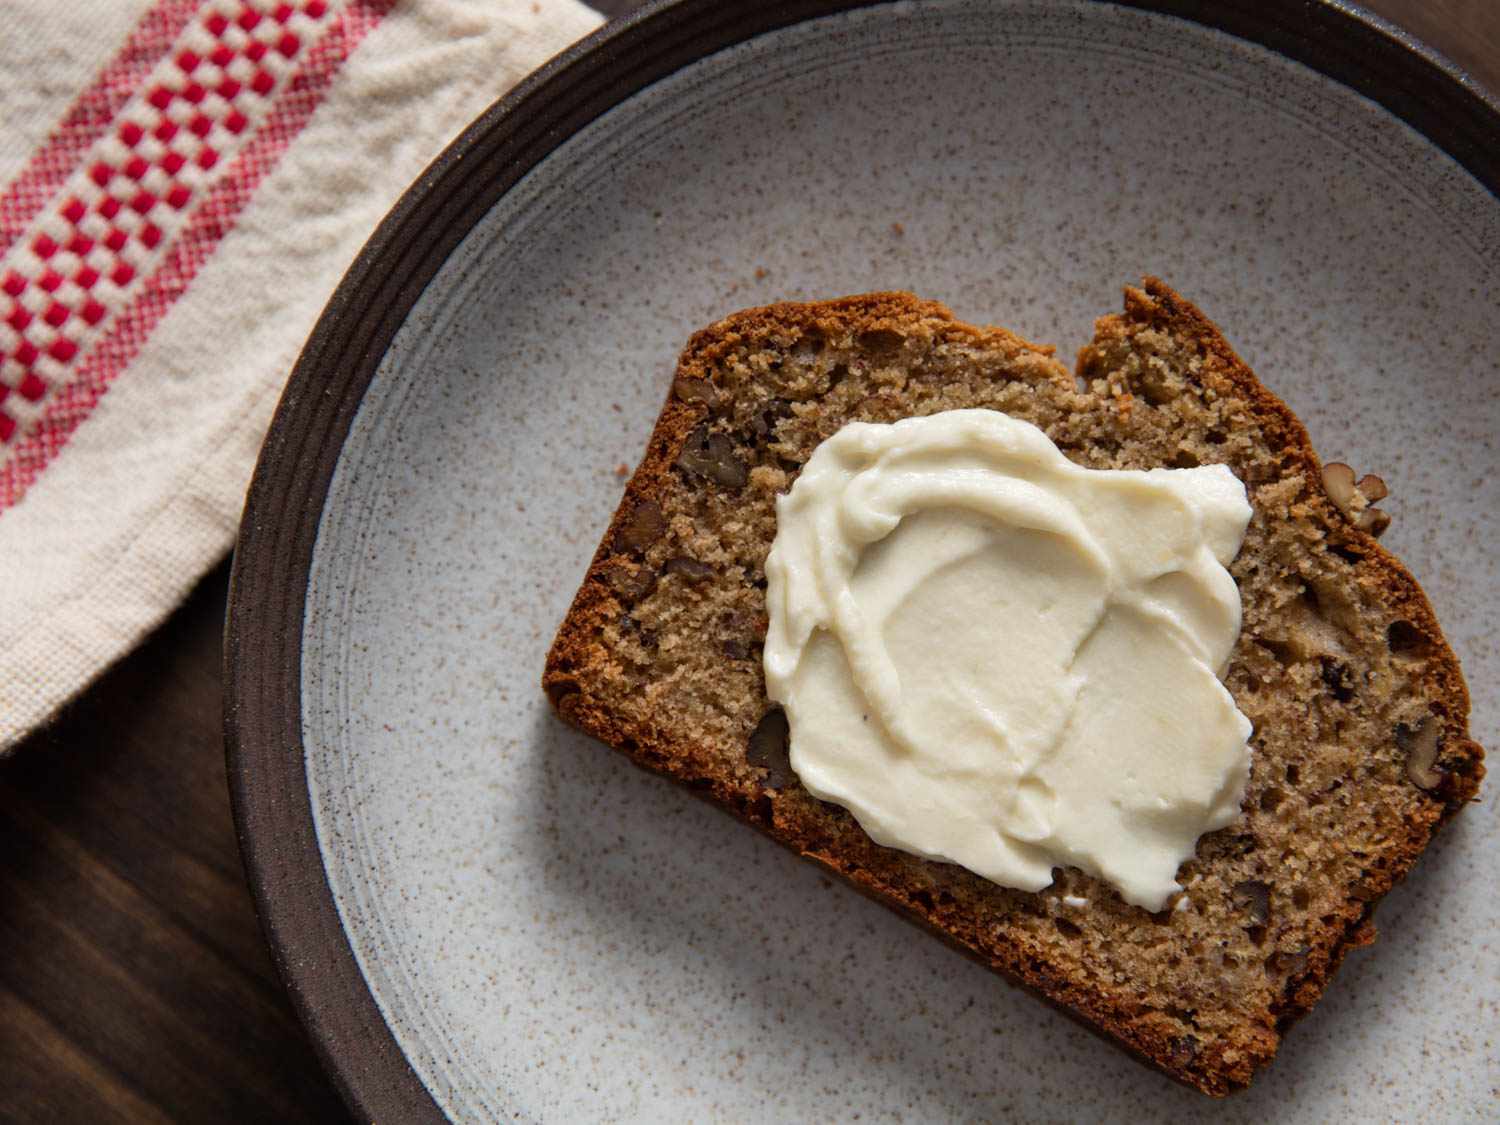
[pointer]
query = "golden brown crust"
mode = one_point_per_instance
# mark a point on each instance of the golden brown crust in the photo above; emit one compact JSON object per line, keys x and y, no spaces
{"x":597,"y":664}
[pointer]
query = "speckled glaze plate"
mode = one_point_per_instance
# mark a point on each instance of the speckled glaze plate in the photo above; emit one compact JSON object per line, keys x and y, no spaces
{"x":479,"y":913}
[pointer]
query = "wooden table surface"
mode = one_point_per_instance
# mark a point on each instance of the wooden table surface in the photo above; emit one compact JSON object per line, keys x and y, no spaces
{"x":134,"y":983}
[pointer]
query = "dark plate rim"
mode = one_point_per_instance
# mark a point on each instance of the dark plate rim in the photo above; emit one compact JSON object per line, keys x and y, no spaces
{"x":268,"y":581}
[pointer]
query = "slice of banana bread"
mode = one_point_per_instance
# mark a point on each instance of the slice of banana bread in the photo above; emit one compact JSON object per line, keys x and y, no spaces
{"x":1361,"y":747}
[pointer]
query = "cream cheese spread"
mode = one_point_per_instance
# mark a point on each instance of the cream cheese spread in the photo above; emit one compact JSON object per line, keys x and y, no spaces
{"x":998,"y":658}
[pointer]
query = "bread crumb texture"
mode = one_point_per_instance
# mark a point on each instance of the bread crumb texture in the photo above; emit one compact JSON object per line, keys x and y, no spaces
{"x":1361,"y":748}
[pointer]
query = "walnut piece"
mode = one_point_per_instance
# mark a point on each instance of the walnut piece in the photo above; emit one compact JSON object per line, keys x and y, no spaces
{"x":712,"y":456}
{"x":1373,"y":488}
{"x":644,"y":527}
{"x":695,"y":390}
{"x":1338,"y":479}
{"x":1374,"y":521}
{"x":1357,"y":499}
{"x":1422,"y":744}
{"x":768,"y":748}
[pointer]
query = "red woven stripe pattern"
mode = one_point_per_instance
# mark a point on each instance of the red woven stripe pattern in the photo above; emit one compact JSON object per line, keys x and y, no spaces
{"x":90,"y":279}
{"x":90,"y":116}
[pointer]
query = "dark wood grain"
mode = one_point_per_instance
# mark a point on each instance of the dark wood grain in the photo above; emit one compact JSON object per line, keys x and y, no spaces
{"x":1467,"y":31}
{"x":134,"y":983}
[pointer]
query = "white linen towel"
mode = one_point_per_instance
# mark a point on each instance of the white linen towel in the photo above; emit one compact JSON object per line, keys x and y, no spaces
{"x":182,"y":185}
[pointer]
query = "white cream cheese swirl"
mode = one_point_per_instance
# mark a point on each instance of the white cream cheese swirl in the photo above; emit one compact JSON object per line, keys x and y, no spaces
{"x":995,"y":657}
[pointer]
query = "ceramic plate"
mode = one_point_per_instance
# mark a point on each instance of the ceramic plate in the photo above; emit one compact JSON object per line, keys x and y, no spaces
{"x":480,"y":913}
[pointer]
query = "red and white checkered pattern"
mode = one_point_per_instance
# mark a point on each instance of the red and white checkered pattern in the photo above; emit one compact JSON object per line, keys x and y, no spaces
{"x":165,"y":247}
{"x":165,"y":169}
